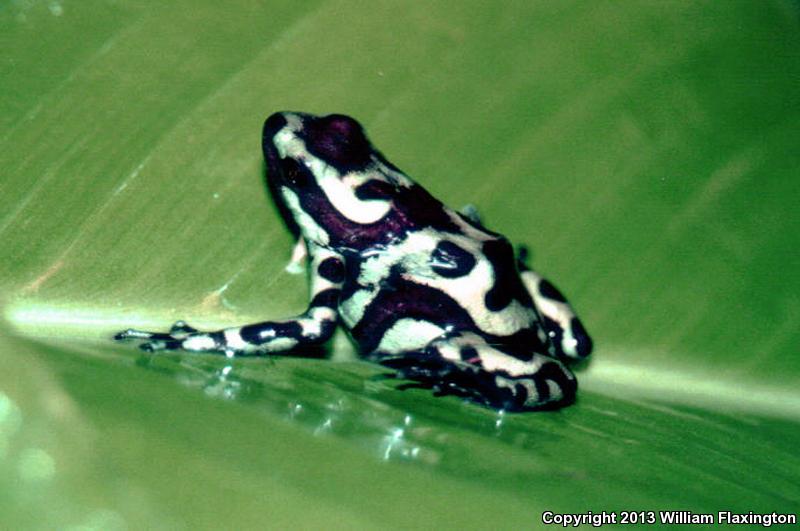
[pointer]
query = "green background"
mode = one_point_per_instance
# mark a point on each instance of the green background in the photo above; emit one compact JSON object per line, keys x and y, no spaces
{"x":646,"y":151}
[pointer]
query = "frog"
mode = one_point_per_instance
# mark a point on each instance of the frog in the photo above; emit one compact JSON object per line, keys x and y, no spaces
{"x":424,"y":290}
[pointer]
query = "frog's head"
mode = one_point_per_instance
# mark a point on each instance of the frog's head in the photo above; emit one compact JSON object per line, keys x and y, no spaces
{"x":329,"y":182}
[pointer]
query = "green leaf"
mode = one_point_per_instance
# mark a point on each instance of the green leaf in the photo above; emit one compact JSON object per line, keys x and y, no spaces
{"x":647,"y":152}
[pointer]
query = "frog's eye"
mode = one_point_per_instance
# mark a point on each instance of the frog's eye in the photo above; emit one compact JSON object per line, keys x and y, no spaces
{"x":340,"y":141}
{"x":294,"y":173}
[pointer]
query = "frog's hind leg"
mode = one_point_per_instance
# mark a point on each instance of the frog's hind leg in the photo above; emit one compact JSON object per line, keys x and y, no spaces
{"x":466,"y":366}
{"x":567,"y":333}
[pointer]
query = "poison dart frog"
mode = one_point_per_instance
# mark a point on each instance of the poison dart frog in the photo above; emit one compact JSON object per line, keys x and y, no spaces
{"x":422,"y":289}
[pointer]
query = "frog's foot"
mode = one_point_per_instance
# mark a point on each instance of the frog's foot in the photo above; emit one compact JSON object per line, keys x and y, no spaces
{"x":541,"y":383}
{"x":442,"y":379}
{"x":180,"y":336}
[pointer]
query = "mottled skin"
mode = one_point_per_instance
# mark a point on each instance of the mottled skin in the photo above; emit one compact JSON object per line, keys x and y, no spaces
{"x":420,"y":287}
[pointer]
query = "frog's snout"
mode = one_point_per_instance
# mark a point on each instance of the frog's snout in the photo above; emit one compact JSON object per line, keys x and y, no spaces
{"x":274,"y":123}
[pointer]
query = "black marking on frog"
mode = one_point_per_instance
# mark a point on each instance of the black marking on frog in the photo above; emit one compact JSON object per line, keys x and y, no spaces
{"x":452,"y":261}
{"x":375,"y":189}
{"x":584,"y":347}
{"x":404,"y":299}
{"x":421,"y":288}
{"x":469,"y":354}
{"x":548,"y":290}
{"x":328,"y":298}
{"x":339,"y":141}
{"x":332,"y":269}
{"x":507,"y":285}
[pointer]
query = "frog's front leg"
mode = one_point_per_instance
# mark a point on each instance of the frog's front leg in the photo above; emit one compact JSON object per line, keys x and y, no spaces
{"x":465,"y":365}
{"x":314,"y":326}
{"x":566,"y":332}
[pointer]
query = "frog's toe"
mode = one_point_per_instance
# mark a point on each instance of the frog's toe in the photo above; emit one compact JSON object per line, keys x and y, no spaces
{"x":523,"y":254}
{"x":152,"y":346}
{"x":161,"y":344}
{"x":122,"y":336}
{"x":418,"y":368}
{"x":131,"y":333}
{"x":470,"y":212}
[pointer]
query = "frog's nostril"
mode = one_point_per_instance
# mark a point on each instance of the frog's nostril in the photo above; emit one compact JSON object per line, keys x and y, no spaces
{"x":274,"y":123}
